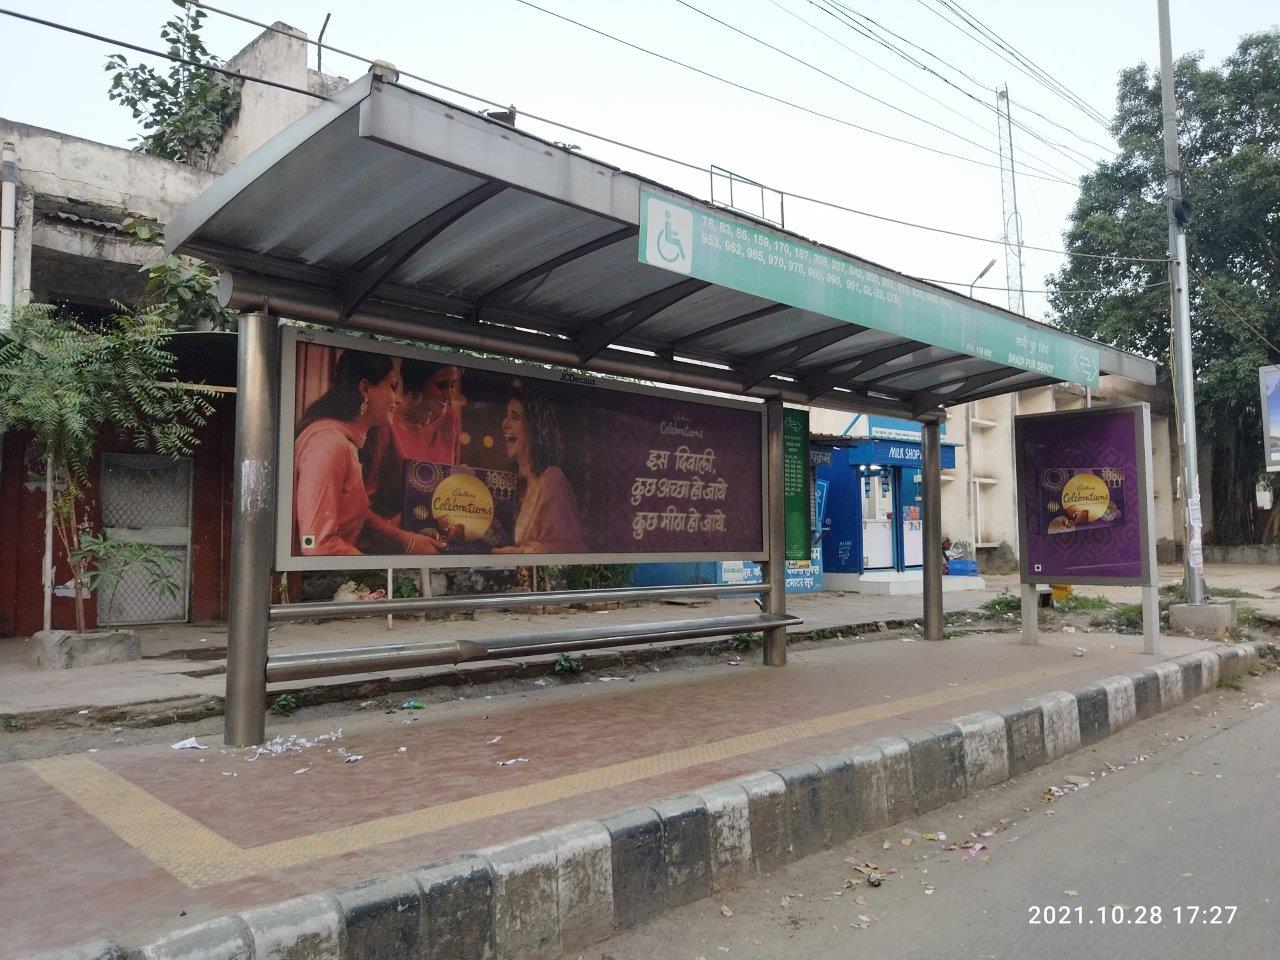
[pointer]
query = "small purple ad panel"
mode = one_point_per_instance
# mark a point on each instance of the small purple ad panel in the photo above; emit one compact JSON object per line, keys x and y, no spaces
{"x":1079,"y":491}
{"x":404,"y":455}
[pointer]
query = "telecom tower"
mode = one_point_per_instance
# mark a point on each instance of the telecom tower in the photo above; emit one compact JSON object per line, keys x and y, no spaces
{"x":1012,"y":235}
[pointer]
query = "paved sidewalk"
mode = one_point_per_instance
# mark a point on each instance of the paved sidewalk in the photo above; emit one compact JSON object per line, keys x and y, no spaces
{"x":144,"y":838}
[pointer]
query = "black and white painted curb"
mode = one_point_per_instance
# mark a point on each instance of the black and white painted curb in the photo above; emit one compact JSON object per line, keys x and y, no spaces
{"x":566,"y":888}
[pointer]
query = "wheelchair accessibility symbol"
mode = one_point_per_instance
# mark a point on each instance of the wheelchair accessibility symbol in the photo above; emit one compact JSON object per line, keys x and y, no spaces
{"x":669,"y":231}
{"x":670,"y":248}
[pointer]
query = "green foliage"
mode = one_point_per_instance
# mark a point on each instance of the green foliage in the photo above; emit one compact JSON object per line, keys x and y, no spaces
{"x":65,"y":382}
{"x":181,"y":291}
{"x":1232,"y":683}
{"x":13,"y":723}
{"x":1229,"y":135}
{"x":1123,"y":618}
{"x":591,"y":576}
{"x":285,"y":705}
{"x":186,"y":110}
{"x":1004,"y":604}
{"x":404,"y":587}
{"x":567,"y":663}
{"x":1177,"y":593}
{"x":746,"y":642}
{"x":103,"y":563}
{"x":1079,"y":603}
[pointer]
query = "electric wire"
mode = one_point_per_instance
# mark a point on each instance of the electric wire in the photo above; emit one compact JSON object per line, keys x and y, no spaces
{"x":845,"y":14}
{"x":203,"y":4}
{"x":782,"y":101}
{"x":884,"y":103}
{"x":1232,"y":310}
{"x":156,"y":53}
{"x":1063,"y":94}
{"x":1053,"y":81}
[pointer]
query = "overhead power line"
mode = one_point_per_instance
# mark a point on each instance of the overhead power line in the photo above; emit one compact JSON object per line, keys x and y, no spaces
{"x":1057,"y":89}
{"x":65,"y":28}
{"x":867,"y":27}
{"x":858,"y":90}
{"x":782,"y":101}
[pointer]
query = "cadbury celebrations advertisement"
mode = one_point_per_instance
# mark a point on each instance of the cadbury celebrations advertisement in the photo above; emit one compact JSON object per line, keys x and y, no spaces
{"x":427,"y":455}
{"x":1080,"y":497}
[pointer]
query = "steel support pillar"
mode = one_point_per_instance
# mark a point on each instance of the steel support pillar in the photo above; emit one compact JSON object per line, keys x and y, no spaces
{"x":253,"y":522}
{"x":932,"y":457}
{"x":775,"y":569}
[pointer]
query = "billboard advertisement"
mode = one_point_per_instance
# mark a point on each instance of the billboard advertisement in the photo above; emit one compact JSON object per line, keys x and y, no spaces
{"x":1269,"y":384}
{"x":1084,"y":497}
{"x":394,"y":456}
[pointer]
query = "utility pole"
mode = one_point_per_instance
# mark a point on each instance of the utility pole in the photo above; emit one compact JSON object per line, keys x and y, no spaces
{"x":1009,"y":205}
{"x":1180,"y":304}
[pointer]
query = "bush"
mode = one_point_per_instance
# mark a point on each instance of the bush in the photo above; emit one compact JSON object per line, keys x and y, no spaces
{"x":1003,"y":605}
{"x":746,"y":642}
{"x":1077,"y":603}
{"x":568,"y":664}
{"x":285,"y":705}
{"x":1123,"y":618}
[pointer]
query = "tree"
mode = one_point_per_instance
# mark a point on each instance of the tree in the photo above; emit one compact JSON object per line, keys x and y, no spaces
{"x":186,"y":111}
{"x":182,"y":291}
{"x":1229,"y":135}
{"x":64,"y":382}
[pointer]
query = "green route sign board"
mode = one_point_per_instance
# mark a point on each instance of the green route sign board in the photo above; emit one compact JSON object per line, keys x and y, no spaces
{"x":700,"y":242}
{"x":795,"y":482}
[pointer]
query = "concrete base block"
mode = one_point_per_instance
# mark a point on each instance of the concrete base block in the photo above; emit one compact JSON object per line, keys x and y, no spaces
{"x":1192,"y":673}
{"x":524,"y":898}
{"x":1171,"y":692}
{"x":1203,"y":620}
{"x":729,"y":827}
{"x":639,"y":874}
{"x":221,"y":939}
{"x":1024,"y":736}
{"x":382,"y":918}
{"x":457,"y":905}
{"x":870,"y":801}
{"x":1121,"y":702}
{"x":986,"y":749}
{"x":937,"y":765}
{"x":1061,"y":719}
{"x":804,"y":809}
{"x":839,"y":812}
{"x":899,"y":792}
{"x":686,"y":848}
{"x":1091,"y":707}
{"x":1210,"y":670}
{"x":308,"y":928}
{"x":584,"y":883}
{"x":66,"y":649}
{"x":767,"y":808}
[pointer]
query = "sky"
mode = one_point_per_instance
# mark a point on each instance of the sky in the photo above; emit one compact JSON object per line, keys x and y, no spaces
{"x":505,"y":51}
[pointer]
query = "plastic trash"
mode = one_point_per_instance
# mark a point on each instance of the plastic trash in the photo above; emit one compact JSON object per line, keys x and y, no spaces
{"x":507,"y":763}
{"x":191,"y":743}
{"x":413,"y":705}
{"x":1079,"y":652}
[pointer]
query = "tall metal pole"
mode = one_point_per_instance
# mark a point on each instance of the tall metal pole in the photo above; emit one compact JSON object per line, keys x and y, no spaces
{"x":775,"y":638}
{"x":932,"y":457}
{"x":253,"y":521}
{"x":1183,"y":369}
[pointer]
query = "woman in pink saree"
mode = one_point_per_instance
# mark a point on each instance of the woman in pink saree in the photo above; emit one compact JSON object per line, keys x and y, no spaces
{"x":332,"y":515}
{"x":547,"y":521}
{"x":428,"y":426}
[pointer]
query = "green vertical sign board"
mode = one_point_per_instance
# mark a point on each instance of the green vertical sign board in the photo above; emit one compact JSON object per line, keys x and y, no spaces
{"x":701,"y":242}
{"x":795,"y":482}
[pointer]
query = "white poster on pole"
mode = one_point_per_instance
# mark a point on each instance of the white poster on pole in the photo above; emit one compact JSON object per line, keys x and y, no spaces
{"x":1269,"y":387}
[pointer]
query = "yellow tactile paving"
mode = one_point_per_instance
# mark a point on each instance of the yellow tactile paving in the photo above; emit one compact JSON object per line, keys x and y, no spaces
{"x":199,"y":857}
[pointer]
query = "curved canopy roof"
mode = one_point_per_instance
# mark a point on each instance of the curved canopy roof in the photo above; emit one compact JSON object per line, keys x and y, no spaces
{"x":387,"y":209}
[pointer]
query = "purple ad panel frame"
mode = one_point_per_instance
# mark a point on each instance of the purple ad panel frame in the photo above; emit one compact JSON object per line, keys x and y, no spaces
{"x":1065,"y":535}
{"x":740,"y":462}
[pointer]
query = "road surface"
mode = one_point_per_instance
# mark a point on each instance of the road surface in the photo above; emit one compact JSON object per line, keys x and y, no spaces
{"x":1184,"y":821}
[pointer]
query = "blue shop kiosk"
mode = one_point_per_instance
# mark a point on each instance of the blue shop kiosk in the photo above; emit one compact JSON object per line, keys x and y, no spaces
{"x":872,"y":529}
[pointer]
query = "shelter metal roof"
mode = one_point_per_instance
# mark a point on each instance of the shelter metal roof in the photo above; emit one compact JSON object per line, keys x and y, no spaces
{"x":389,"y":210}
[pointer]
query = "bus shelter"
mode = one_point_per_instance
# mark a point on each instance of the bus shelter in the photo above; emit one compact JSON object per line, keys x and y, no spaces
{"x":390,"y":212}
